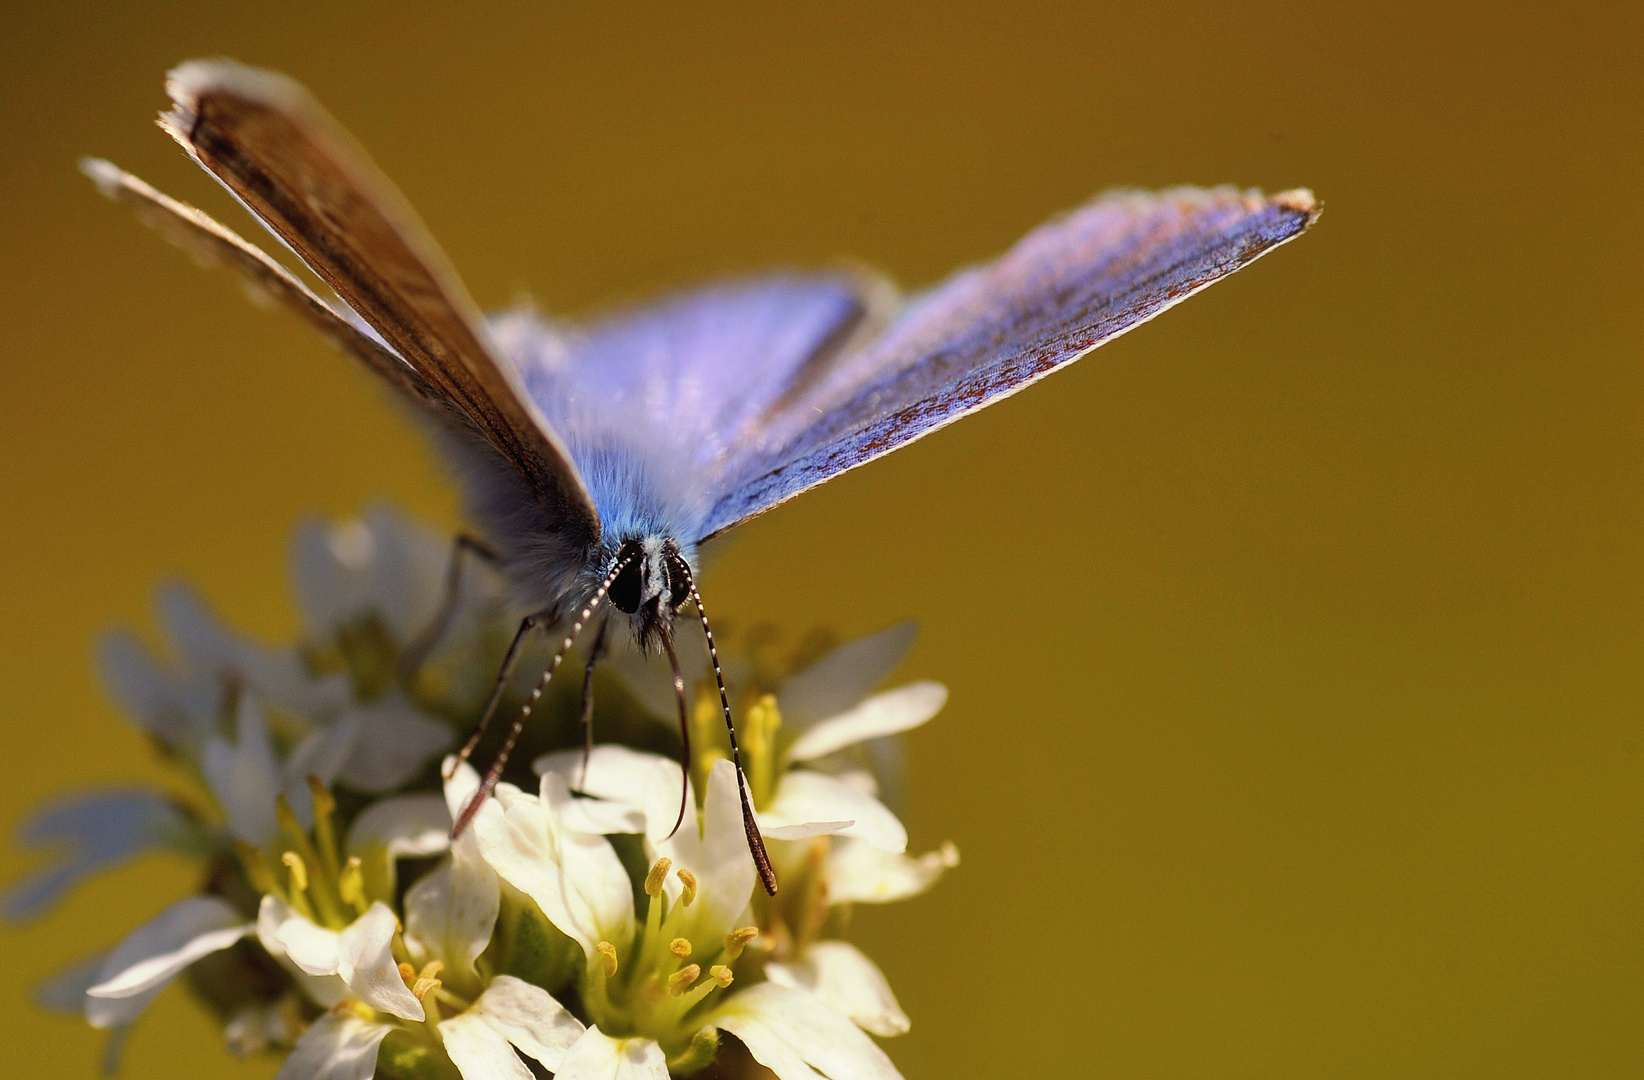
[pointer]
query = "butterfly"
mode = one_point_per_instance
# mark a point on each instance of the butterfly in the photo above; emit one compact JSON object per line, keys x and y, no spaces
{"x":597,"y":459}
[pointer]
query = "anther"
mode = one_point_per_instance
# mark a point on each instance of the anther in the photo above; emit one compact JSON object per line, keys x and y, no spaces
{"x":607,"y":957}
{"x":407,"y":973}
{"x":423,"y":987}
{"x":680,"y":947}
{"x":721,"y":974}
{"x":351,"y":884}
{"x":299,"y":871}
{"x":737,"y":940}
{"x":687,"y":881}
{"x":658,"y":874}
{"x":681,"y":980}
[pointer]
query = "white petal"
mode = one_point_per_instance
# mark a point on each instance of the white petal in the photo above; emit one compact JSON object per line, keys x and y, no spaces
{"x":406,"y":575}
{"x":616,"y":774}
{"x":153,"y":954}
{"x":366,"y":963}
{"x":859,"y":873}
{"x":244,"y":775}
{"x":313,"y":948}
{"x":575,"y":878}
{"x":596,"y":1056}
{"x":450,"y":913}
{"x":530,"y":1018}
{"x":461,"y":781}
{"x":777,"y":1025}
{"x":894,"y":711}
{"x":328,"y":566}
{"x":179,"y":715}
{"x":326,"y":989}
{"x":840,"y":976}
{"x":396,"y":740}
{"x":799,"y":832}
{"x":210,"y":649}
{"x":337,"y":1046}
{"x":414,"y":825}
{"x":479,"y":1051}
{"x":803,"y":796}
{"x":718,"y":857}
{"x":844,"y":676}
{"x":320,"y":754}
{"x":97,"y":830}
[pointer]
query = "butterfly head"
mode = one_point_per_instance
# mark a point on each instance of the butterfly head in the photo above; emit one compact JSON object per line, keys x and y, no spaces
{"x":652,"y":583}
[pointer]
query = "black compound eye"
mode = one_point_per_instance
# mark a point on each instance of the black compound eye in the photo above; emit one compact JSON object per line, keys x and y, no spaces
{"x":624,"y":591}
{"x":679,"y":581}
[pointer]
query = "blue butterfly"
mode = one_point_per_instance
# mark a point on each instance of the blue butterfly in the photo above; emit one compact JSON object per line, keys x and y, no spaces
{"x":597,"y":459}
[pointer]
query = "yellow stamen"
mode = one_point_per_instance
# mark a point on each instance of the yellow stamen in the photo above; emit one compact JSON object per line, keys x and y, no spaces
{"x":431,"y":969}
{"x":680,"y":947}
{"x":607,"y":957}
{"x":422,"y":987}
{"x":681,"y":980}
{"x":687,"y":882}
{"x":299,"y":871}
{"x":407,"y":973}
{"x":737,"y":940}
{"x":721,"y":974}
{"x":324,"y":806}
{"x":658,"y":874}
{"x":351,"y":885}
{"x":759,"y":725}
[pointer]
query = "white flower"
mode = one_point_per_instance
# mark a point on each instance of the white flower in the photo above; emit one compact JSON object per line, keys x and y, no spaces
{"x":644,"y":982}
{"x":338,"y":1046}
{"x":246,"y":776}
{"x":858,"y":873}
{"x":94,"y":831}
{"x":840,"y":975}
{"x":449,"y":918}
{"x":354,"y":962}
{"x":352,"y":578}
{"x":157,"y":952}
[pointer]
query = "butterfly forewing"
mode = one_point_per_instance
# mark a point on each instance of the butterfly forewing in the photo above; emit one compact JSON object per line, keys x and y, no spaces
{"x":988,"y":332}
{"x":294,"y":167}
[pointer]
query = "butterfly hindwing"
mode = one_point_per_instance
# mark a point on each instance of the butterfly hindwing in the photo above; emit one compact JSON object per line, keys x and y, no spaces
{"x":214,"y":243}
{"x":1064,"y":289}
{"x":305,"y":178}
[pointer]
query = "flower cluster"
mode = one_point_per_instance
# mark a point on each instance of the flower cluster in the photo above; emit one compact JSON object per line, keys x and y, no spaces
{"x":574,"y":929}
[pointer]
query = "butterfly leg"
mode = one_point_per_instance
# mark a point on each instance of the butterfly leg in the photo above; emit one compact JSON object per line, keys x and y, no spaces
{"x":527,"y":624}
{"x":418,"y":649}
{"x":684,"y":731}
{"x":588,"y":702}
{"x":488,"y":783}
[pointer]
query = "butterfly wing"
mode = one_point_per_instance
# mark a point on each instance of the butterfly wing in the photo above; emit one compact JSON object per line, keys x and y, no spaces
{"x":692,"y":375}
{"x":214,"y":243}
{"x":986,"y":333}
{"x":305,"y":178}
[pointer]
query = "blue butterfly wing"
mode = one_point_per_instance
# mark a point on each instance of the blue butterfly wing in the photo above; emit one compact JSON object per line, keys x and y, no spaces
{"x":986,"y":333}
{"x":673,"y":388}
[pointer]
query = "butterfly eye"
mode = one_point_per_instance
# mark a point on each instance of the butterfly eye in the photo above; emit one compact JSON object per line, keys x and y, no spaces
{"x":624,"y":592}
{"x":679,"y":581}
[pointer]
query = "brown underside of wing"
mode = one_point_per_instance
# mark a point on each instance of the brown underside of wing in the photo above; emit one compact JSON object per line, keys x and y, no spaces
{"x":295,"y":168}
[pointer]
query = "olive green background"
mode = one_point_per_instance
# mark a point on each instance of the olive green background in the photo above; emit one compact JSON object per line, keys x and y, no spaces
{"x":1294,"y":639}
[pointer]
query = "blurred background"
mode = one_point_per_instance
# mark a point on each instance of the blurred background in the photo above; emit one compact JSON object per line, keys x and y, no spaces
{"x":1294,"y":639}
